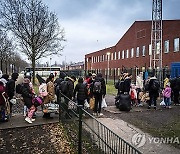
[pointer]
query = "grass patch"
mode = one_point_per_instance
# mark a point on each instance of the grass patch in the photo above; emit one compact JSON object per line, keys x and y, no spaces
{"x":110,"y":89}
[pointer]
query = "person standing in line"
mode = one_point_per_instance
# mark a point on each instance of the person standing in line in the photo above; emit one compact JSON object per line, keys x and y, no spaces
{"x":28,"y":95}
{"x":82,"y":92}
{"x":51,"y":94}
{"x":98,"y":89}
{"x":167,"y":95}
{"x":153,"y":91}
{"x":10,"y":89}
{"x":139,"y":86}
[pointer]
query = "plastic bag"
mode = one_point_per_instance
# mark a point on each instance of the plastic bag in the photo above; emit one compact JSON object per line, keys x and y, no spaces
{"x":162,"y":103}
{"x":103,"y":104}
{"x":86,"y":104}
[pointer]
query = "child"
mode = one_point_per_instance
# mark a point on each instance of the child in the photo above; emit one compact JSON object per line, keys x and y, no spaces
{"x":133,"y":94}
{"x":167,"y":95}
{"x":27,"y":95}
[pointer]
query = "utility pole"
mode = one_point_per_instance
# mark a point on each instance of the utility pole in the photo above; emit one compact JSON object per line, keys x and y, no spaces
{"x":156,"y":38}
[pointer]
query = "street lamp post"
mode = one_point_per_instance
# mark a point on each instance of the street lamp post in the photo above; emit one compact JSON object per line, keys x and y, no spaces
{"x":50,"y":65}
{"x":108,"y":58}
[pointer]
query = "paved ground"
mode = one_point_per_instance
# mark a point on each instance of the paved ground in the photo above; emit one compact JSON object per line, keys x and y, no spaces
{"x":121,"y":123}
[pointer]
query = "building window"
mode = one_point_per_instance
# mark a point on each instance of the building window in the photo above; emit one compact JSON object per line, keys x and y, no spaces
{"x":137,"y":52}
{"x":127,"y":53}
{"x":111,"y":56}
{"x":123,"y":54}
{"x":119,"y":72}
{"x":176,"y":44}
{"x":166,"y":46}
{"x":119,"y":55}
{"x":158,"y":48}
{"x":143,"y":50}
{"x":132,"y":52}
{"x":150,"y":49}
{"x":115,"y":56}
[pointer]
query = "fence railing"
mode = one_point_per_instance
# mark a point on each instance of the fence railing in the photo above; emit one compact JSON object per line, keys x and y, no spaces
{"x":88,"y":134}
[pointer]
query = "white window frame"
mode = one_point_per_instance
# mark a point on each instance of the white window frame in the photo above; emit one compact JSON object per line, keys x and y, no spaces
{"x":115,"y":56}
{"x":176,"y":44}
{"x":123,"y":54}
{"x":143,"y":50}
{"x":166,"y":46}
{"x":127,"y":53}
{"x":150,"y":49}
{"x":137,"y":52}
{"x":119,"y":55}
{"x":132,"y":52}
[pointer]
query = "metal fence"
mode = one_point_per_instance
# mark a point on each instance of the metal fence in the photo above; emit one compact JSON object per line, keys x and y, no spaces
{"x":87,"y":134}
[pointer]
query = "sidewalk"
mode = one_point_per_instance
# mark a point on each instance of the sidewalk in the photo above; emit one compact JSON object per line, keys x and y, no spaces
{"x":133,"y":135}
{"x":18,"y":121}
{"x":130,"y":134}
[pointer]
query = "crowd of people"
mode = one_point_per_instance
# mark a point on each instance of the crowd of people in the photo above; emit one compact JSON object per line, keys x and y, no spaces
{"x":149,"y":89}
{"x":88,"y":89}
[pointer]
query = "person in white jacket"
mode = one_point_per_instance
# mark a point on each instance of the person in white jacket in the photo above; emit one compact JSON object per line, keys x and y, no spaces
{"x":139,"y":85}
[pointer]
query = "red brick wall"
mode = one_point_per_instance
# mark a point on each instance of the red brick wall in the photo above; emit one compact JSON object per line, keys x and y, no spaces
{"x":141,"y":29}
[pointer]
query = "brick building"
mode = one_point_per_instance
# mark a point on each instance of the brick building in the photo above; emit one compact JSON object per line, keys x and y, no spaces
{"x":133,"y":50}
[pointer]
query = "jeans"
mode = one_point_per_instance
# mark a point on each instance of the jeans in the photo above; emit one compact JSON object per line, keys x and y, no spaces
{"x":167,"y":101}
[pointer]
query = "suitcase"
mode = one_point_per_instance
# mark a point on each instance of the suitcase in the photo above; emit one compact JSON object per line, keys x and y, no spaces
{"x":124,"y":102}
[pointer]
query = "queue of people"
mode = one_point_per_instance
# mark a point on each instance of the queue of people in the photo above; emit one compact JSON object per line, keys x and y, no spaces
{"x":88,"y":89}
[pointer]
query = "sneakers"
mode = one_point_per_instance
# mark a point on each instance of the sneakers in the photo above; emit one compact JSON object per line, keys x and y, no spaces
{"x":33,"y":120}
{"x":94,"y":114}
{"x":101,"y":114}
{"x":28,"y":120}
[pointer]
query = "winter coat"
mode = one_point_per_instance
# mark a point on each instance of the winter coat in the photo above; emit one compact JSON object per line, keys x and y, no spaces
{"x":152,"y":92}
{"x":51,"y":93}
{"x":127,"y":85}
{"x":167,"y":92}
{"x":2,"y":89}
{"x":82,"y":91}
{"x":10,"y":88}
{"x":103,"y":86}
{"x":27,"y":95}
{"x":70,"y":92}
{"x":139,"y":82}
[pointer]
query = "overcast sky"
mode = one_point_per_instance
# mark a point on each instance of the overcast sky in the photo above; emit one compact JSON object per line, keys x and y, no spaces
{"x":91,"y":25}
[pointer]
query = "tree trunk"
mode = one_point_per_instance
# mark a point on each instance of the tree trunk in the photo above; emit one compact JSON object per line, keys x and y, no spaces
{"x":33,"y":68}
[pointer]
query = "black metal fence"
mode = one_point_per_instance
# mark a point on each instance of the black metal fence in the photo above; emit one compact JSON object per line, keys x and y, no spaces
{"x":87,"y":134}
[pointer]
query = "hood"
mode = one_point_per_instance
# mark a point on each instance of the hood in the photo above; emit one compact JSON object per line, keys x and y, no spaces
{"x":153,"y":78}
{"x":3,"y":81}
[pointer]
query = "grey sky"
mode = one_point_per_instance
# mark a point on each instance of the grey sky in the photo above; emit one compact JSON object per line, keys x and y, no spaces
{"x":92,"y":25}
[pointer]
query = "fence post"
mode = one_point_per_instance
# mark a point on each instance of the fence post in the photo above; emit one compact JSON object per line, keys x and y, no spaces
{"x":80,"y":130}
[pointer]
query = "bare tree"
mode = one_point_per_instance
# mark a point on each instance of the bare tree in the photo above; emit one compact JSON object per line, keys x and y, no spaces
{"x":6,"y":47}
{"x":35,"y":27}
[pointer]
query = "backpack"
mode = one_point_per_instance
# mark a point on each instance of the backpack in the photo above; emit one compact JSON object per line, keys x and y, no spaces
{"x":37,"y":101}
{"x":97,"y":87}
{"x":19,"y":88}
{"x":64,"y":87}
{"x":155,"y":85}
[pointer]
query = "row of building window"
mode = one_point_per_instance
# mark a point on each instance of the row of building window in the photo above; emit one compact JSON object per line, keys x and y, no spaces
{"x":125,"y":53}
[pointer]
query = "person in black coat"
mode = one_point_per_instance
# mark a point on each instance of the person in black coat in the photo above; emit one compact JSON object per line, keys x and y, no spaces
{"x":10,"y":88}
{"x":98,"y":95}
{"x":82,"y":92}
{"x":57,"y":84}
{"x":153,"y":93}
